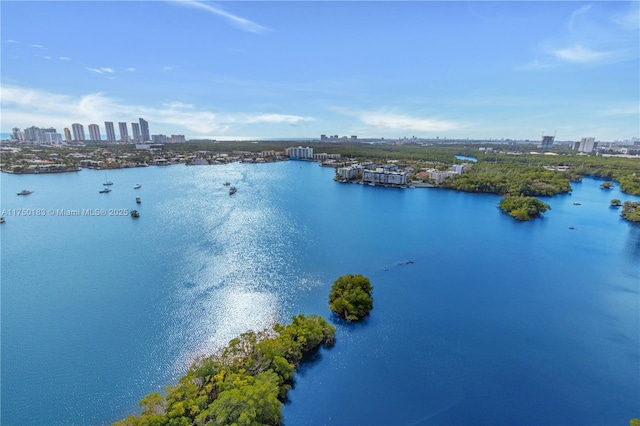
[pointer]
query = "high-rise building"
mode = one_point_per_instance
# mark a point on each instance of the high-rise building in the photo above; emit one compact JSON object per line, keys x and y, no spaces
{"x":67,"y":134}
{"x":78,"y":132}
{"x":587,"y":144}
{"x":36,"y":134}
{"x":144,"y":128}
{"x":53,"y":138}
{"x":135,"y":127}
{"x":547,"y":141}
{"x":124,"y":133}
{"x":299,"y":152}
{"x":18,"y":135}
{"x":111,"y":133}
{"x":94,"y":132}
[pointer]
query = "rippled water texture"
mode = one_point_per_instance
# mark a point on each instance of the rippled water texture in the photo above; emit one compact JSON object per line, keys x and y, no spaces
{"x":494,"y":322}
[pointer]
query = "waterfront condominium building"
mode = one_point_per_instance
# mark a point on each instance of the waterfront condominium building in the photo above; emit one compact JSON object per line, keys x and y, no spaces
{"x":111,"y":133}
{"x":299,"y":152}
{"x":67,"y":135}
{"x":144,"y":128}
{"x":94,"y":132}
{"x":78,"y":132}
{"x":135,"y":127}
{"x":124,"y":133}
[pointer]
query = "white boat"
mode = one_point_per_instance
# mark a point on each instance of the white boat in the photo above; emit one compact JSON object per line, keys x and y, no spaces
{"x":107,"y":181}
{"x":25,"y":192}
{"x":137,"y":186}
{"x":105,"y":191}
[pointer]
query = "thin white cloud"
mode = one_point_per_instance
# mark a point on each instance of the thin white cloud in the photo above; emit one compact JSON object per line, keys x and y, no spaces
{"x":575,"y":16}
{"x":37,"y":46}
{"x":47,"y":57}
{"x":592,"y":36}
{"x":393,"y":121}
{"x":168,"y":68}
{"x":631,"y":19}
{"x":625,"y":108}
{"x":12,"y":41}
{"x":277,"y":118}
{"x":101,"y":70}
{"x":131,"y":69}
{"x":177,"y":105}
{"x":242,"y":23}
{"x":24,"y":107}
{"x":580,"y":54}
{"x":64,"y":58}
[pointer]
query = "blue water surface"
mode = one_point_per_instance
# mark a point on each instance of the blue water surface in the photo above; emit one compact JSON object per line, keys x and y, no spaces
{"x":478,"y":319}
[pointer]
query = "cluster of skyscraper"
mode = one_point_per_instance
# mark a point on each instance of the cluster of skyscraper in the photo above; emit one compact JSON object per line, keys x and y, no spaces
{"x":139,"y":130}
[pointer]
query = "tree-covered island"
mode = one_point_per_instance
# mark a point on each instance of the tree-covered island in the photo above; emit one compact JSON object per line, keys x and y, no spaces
{"x":350,"y":297}
{"x":631,"y":211}
{"x":243,"y":385}
{"x":523,"y":208}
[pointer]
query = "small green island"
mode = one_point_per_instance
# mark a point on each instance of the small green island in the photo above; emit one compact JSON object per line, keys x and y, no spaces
{"x":243,"y":385}
{"x":350,"y":297}
{"x":631,"y":211}
{"x":523,"y":208}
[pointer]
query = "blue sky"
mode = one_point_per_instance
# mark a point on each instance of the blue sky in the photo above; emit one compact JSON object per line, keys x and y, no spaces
{"x":267,"y":69}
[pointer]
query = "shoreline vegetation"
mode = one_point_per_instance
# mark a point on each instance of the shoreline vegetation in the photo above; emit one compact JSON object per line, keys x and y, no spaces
{"x":245,"y":384}
{"x":509,"y":170}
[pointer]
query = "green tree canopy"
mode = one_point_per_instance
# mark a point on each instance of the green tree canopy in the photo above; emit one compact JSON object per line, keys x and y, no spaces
{"x":244,"y":385}
{"x":350,"y":297}
{"x":523,"y":208}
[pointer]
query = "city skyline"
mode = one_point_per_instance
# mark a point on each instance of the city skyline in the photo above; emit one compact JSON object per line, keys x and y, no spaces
{"x":454,"y":70}
{"x":34,"y":133}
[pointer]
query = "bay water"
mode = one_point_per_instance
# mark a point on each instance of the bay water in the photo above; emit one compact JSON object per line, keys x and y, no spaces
{"x":478,"y":318}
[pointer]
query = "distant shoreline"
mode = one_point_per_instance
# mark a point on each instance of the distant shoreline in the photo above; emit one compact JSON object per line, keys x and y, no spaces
{"x":40,"y":172}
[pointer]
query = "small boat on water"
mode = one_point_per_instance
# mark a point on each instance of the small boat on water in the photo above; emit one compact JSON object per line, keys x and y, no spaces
{"x":105,"y":191}
{"x":2,"y":220}
{"x":226,"y":183}
{"x":107,"y":181}
{"x":576,"y":204}
{"x":232,"y":190}
{"x":138,"y":200}
{"x":137,"y":186}
{"x":135,"y":214}
{"x":25,"y":192}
